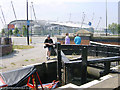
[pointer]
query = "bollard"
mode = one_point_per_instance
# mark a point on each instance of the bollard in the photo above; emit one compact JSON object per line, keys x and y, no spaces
{"x":107,"y":64}
{"x":84,"y":65}
{"x":106,"y":68}
{"x":59,"y":63}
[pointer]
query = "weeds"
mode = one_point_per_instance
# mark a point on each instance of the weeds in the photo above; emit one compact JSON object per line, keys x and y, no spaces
{"x":1,"y":67}
{"x":22,"y":47}
{"x":32,"y":59}
{"x":13,"y":63}
{"x":26,"y":60}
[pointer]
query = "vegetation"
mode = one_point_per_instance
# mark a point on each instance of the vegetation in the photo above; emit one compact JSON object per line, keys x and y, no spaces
{"x":3,"y":32}
{"x":20,"y":33}
{"x":114,"y":28}
{"x":24,"y":32}
{"x":26,"y":60}
{"x":118,"y":28}
{"x":22,"y":47}
{"x":13,"y":63}
{"x":10,"y":32}
{"x":32,"y":59}
{"x":1,"y":67}
{"x":16,"y":31}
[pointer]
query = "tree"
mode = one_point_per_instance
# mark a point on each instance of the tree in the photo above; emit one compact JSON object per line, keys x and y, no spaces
{"x":3,"y":32}
{"x":10,"y":32}
{"x":16,"y":31}
{"x":118,"y":28}
{"x":113,"y":27}
{"x":24,"y":32}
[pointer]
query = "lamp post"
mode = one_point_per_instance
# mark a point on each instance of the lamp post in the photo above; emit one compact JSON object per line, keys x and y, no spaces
{"x":27,"y":25}
{"x":106,"y":17}
{"x":31,"y":24}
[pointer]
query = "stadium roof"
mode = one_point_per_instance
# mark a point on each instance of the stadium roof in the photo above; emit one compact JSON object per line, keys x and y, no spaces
{"x":75,"y":25}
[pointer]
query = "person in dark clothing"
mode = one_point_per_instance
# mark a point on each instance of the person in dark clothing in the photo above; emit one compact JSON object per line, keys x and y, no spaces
{"x":49,"y":44}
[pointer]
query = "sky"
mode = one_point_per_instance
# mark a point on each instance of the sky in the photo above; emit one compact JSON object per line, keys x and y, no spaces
{"x":61,"y":10}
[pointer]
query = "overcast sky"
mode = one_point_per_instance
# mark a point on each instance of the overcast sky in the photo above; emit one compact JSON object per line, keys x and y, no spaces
{"x":60,"y":10}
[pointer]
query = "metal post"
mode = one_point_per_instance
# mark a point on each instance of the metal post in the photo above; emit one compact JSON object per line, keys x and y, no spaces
{"x":84,"y":65}
{"x":106,"y":68}
{"x":8,"y":30}
{"x":68,"y":74}
{"x":31,"y":24}
{"x":107,"y":51}
{"x":106,"y":17}
{"x":96,"y":50}
{"x":107,"y":64}
{"x":64,"y":74}
{"x":119,"y":61}
{"x":59,"y":64}
{"x":27,"y":25}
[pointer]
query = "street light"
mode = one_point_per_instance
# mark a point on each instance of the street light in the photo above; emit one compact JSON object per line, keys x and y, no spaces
{"x":106,"y":17}
{"x":27,"y":25}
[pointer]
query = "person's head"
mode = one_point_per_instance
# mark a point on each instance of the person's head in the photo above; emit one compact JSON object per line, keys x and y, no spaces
{"x":77,"y":34}
{"x":67,"y":34}
{"x":48,"y":36}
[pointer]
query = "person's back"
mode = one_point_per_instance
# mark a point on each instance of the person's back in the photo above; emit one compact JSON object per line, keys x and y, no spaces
{"x":77,"y":40}
{"x":67,"y":39}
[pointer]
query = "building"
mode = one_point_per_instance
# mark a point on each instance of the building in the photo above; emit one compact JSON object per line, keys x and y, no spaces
{"x":42,"y":27}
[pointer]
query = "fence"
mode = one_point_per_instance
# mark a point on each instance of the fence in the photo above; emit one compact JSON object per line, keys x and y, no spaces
{"x":66,"y":68}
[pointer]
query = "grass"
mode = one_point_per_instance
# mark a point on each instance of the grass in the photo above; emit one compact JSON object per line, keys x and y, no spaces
{"x":26,"y":60}
{"x":13,"y":63}
{"x":22,"y":47}
{"x":1,"y":67}
{"x":32,"y":59}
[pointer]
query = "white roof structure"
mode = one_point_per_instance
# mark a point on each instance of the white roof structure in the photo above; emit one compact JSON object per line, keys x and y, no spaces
{"x":69,"y":24}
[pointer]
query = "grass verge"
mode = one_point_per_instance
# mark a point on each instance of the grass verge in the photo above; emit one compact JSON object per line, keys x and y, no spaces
{"x":13,"y":64}
{"x":26,"y":60}
{"x":22,"y":47}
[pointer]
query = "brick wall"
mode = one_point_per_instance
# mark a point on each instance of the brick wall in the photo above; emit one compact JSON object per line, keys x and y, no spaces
{"x":85,"y":40}
{"x":5,"y":49}
{"x":5,"y":46}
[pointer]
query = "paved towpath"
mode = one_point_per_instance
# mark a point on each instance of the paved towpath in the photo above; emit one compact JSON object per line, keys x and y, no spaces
{"x":24,"y":57}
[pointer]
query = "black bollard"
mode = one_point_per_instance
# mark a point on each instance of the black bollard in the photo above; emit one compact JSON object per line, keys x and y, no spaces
{"x":84,"y":65}
{"x":59,"y":63}
{"x":106,"y":68}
